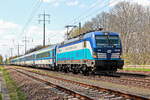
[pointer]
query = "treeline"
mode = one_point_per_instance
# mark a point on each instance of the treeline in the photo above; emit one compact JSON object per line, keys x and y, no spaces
{"x":133,"y":22}
{"x":1,"y":59}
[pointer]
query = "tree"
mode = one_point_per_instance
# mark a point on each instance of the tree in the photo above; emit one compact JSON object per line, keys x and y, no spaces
{"x":1,"y":59}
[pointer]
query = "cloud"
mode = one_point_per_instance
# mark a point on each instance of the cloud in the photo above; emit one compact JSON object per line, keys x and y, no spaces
{"x":140,"y":2}
{"x":8,"y":29}
{"x":4,"y":25}
{"x":82,"y":6}
{"x":72,"y":3}
{"x":45,"y":1}
{"x":52,"y":36}
{"x":8,"y":32}
{"x":50,"y":1}
{"x":56,"y":3}
{"x":10,"y":37}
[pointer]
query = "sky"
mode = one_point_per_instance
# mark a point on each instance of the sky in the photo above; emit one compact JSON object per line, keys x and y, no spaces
{"x":20,"y":18}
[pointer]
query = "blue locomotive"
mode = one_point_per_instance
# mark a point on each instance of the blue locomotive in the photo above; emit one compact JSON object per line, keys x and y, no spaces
{"x":92,"y":52}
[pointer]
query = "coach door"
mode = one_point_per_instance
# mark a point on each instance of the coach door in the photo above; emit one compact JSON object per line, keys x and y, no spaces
{"x":33,"y":57}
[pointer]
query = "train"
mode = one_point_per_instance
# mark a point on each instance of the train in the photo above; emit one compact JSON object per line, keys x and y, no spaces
{"x":91,"y":52}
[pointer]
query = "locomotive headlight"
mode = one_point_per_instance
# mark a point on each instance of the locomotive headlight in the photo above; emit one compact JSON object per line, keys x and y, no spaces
{"x":115,"y":55}
{"x":121,"y":56}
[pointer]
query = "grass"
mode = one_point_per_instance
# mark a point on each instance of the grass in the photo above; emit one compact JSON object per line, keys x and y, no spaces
{"x":1,"y":68}
{"x":14,"y":92}
{"x":136,"y":69}
{"x":0,"y":93}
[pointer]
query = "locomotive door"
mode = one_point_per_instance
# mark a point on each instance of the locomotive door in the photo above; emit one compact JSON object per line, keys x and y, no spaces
{"x":53,"y":57}
{"x":84,"y":50}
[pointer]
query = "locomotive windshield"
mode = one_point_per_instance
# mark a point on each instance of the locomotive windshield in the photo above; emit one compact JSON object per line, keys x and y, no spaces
{"x":107,"y":40}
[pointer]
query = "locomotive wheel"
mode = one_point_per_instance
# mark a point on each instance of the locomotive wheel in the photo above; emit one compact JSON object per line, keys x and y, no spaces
{"x":84,"y":69}
{"x":69,"y":68}
{"x":75,"y":71}
{"x":66,"y":70}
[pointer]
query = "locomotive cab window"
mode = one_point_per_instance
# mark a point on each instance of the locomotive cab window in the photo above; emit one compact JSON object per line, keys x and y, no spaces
{"x":107,"y":40}
{"x":101,"y":40}
{"x":114,"y":40}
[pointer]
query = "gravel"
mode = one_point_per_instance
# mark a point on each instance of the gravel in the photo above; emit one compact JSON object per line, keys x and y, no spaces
{"x":33,"y":89}
{"x":124,"y":83}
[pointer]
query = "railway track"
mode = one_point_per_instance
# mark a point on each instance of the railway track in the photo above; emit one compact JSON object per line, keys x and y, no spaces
{"x":133,"y":74}
{"x":128,"y":80}
{"x":139,"y":80}
{"x":79,"y":90}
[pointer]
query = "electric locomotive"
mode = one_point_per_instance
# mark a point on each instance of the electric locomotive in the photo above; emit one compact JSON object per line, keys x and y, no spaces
{"x":93,"y":52}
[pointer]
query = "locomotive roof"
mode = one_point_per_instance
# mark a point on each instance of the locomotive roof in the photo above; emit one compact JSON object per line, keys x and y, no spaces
{"x":89,"y":34}
{"x":100,"y":33}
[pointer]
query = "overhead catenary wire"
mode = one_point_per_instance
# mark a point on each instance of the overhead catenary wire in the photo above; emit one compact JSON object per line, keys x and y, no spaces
{"x":97,"y":11}
{"x":92,"y":7}
{"x":95,"y":5}
{"x":106,"y":4}
{"x":83,"y":17}
{"x":38,"y":3}
{"x":35,"y":9}
{"x":89,"y":15}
